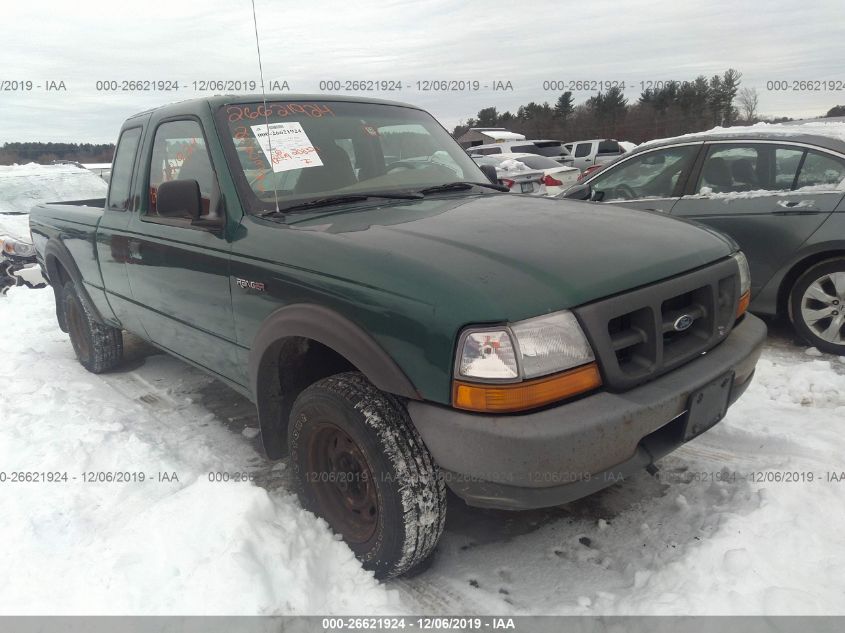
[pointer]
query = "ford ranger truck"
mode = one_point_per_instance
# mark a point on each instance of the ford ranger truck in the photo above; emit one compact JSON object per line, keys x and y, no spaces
{"x":401,"y":323}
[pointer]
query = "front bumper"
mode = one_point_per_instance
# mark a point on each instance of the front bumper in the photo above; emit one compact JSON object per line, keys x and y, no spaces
{"x":560,"y":454}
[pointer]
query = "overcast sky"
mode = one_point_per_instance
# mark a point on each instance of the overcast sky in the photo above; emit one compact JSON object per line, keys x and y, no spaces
{"x":302,"y":43}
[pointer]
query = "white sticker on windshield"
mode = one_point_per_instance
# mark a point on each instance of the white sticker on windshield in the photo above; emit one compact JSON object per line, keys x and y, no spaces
{"x":292,"y":149}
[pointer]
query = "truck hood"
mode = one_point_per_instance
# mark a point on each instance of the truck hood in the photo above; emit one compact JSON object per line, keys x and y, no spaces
{"x":511,"y":256}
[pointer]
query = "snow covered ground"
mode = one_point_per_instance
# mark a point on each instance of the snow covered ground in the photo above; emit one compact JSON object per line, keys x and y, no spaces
{"x":700,"y":537}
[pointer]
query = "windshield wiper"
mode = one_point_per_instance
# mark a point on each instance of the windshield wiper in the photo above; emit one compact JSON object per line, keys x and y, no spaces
{"x":333,"y":200}
{"x":462,"y":186}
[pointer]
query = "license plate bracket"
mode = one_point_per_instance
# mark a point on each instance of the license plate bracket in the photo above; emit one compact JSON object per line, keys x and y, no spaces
{"x":708,"y":405}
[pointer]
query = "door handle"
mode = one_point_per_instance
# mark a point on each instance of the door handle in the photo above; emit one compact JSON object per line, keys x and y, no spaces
{"x":796,"y":204}
{"x":796,"y":207}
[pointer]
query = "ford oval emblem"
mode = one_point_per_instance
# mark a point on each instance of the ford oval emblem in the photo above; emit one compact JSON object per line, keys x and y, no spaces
{"x":683,"y":322}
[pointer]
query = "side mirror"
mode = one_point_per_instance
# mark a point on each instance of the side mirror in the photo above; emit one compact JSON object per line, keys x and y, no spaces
{"x":490,"y":172}
{"x":578,"y":192}
{"x":179,"y":199}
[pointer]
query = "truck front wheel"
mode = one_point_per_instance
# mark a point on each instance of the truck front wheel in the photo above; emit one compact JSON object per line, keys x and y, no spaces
{"x":98,"y":347}
{"x":360,"y":464}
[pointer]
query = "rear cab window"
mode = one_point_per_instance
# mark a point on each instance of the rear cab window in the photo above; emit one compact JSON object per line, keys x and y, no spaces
{"x":119,"y":198}
{"x":609,"y":147}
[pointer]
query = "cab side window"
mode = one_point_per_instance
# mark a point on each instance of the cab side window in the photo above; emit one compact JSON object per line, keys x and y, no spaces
{"x":583,"y":149}
{"x":124,"y":163}
{"x":180,"y":153}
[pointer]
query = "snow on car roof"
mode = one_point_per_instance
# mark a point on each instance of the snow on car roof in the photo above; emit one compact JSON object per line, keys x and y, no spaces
{"x":504,"y":136}
{"x":828,"y":130}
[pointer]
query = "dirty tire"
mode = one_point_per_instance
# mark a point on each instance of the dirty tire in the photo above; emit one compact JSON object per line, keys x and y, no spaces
{"x":98,"y":347}
{"x":359,"y":463}
{"x":817,"y":306}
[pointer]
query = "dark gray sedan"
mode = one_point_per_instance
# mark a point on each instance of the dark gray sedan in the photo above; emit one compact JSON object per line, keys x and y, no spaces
{"x":777,"y":190}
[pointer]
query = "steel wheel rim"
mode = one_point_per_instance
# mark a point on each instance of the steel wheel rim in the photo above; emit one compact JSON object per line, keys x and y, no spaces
{"x":77,"y":331}
{"x":342,"y":482}
{"x":822,"y":307}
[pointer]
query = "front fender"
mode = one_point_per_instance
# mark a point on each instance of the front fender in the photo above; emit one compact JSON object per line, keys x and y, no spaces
{"x":334,"y":331}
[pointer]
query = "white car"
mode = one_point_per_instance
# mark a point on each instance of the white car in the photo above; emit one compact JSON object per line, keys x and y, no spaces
{"x":540,"y":147}
{"x":556,"y":177}
{"x":515,"y":175}
{"x":552,"y":177}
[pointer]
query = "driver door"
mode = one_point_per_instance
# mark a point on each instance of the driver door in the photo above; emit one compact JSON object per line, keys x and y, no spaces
{"x":651,"y":180}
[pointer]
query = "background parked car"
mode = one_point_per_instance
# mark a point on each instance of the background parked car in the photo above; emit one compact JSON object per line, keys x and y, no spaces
{"x":593,"y":151}
{"x":557,"y":178}
{"x":542,"y":147}
{"x":777,"y":190}
{"x":515,"y":175}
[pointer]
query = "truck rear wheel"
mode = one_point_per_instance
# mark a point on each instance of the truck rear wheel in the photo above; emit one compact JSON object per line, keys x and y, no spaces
{"x":360,"y":464}
{"x":98,"y":347}
{"x":817,"y":306}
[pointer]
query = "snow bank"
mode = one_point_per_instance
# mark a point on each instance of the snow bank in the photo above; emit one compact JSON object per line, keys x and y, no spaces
{"x":24,"y":186}
{"x":157,"y":547}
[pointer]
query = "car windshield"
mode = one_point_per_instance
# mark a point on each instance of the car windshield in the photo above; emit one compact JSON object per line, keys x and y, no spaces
{"x":324,"y":149}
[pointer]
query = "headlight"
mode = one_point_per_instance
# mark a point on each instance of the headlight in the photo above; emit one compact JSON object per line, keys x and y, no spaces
{"x":524,"y":365}
{"x":744,"y":272}
{"x":551,"y":343}
{"x":488,"y":354}
{"x":744,"y":283}
{"x":11,"y":246}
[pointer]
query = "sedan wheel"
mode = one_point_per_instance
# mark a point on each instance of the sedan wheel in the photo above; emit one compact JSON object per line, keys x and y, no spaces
{"x":818,"y":306}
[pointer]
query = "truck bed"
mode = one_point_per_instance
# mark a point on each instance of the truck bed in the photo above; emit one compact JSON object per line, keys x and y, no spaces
{"x":74,"y":224}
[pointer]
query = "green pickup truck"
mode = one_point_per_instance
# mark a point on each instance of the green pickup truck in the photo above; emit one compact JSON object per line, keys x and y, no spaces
{"x":401,"y":323}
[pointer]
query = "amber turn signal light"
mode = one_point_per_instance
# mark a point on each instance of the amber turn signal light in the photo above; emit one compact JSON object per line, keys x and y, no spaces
{"x":530,"y":394}
{"x":742,"y":306}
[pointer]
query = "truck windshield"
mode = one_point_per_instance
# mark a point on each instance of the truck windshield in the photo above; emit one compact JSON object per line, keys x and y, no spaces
{"x":316,"y":149}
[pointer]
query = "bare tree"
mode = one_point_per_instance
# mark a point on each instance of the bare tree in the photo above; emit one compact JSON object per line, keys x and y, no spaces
{"x":748,"y":100}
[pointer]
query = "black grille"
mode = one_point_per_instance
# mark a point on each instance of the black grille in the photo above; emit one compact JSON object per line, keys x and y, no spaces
{"x":640,"y":335}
